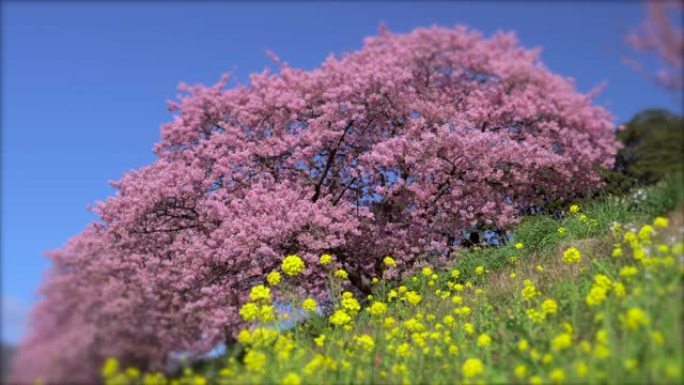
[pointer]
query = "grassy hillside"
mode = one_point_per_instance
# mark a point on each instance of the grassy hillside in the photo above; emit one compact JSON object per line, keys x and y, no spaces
{"x":594,"y":296}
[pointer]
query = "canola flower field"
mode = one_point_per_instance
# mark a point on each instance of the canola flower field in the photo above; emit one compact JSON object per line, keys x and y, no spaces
{"x":594,"y":296}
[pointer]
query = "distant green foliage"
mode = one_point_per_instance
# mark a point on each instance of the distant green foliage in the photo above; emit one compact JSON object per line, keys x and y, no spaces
{"x":653,"y":147}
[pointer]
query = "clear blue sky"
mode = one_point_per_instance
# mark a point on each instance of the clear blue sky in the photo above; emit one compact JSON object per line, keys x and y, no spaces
{"x":84,"y":88}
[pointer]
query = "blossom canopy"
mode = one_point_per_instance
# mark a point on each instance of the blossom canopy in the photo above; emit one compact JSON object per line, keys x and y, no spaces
{"x":394,"y":149}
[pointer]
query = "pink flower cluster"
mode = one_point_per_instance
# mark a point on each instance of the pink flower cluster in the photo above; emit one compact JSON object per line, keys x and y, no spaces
{"x":661,"y":33}
{"x":390,"y":150}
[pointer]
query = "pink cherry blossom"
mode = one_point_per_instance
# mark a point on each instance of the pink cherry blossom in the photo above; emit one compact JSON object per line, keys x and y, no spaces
{"x":661,"y":34}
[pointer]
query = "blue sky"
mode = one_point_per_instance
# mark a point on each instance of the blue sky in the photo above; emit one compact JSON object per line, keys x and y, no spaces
{"x":84,"y":88}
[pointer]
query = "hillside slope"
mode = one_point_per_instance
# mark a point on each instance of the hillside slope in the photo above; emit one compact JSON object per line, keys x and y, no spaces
{"x":594,"y":296}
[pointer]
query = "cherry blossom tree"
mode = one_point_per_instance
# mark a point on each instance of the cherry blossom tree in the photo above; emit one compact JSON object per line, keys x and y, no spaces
{"x":394,"y":149}
{"x":661,"y":34}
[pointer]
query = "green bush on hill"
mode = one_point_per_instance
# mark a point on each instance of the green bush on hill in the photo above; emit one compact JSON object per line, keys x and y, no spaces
{"x":653,"y":148}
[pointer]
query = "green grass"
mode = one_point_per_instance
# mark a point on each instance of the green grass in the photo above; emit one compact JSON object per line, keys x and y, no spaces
{"x":627,"y":338}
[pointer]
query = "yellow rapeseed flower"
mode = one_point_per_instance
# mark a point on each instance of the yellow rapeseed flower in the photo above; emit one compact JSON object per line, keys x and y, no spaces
{"x":596,"y":295}
{"x":309,"y":304}
{"x":350,"y":304}
{"x":389,"y":261}
{"x":255,"y":361}
{"x":519,"y":245}
{"x":602,"y":281}
{"x":426,"y":271}
{"x":520,"y":371}
{"x":260,"y":292}
{"x":389,"y":322}
{"x":403,"y":350}
{"x":479,"y":270}
{"x":549,"y":306}
{"x":602,"y":351}
{"x":581,"y":369}
{"x":154,"y":379}
{"x":571,"y":255}
{"x":657,"y":338}
{"x":320,"y":362}
{"x":534,"y":354}
{"x":133,"y":372}
{"x":523,"y":345}
{"x":617,"y":251}
{"x":630,"y":364}
{"x":453,"y":350}
{"x":585,"y":346}
{"x":110,"y":367}
{"x":292,"y":379}
{"x":557,"y":376}
{"x":529,"y":291}
{"x":263,"y":336}
{"x":341,"y":273}
{"x":340,"y":318}
{"x":455,"y":273}
{"x":561,"y":341}
{"x":645,"y":233}
{"x":365,"y":341}
{"x":602,"y":336}
{"x":634,"y":318}
{"x":377,"y":308}
{"x":266,"y":313}
{"x":325,"y":259}
{"x":273,"y":278}
{"x":536,"y":315}
{"x":244,"y":336}
{"x":463,"y":311}
{"x":412,"y":297}
{"x":284,"y":346}
{"x":629,"y":271}
{"x":293,"y":265}
{"x":249,"y":311}
{"x":661,"y":222}
{"x":472,"y":367}
{"x":672,"y":371}
{"x":413,"y":325}
{"x":630,"y":238}
{"x":574,"y":209}
{"x":568,"y":327}
{"x":484,"y":340}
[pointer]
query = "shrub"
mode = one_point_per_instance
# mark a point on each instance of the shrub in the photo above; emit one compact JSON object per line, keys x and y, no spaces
{"x":390,"y":150}
{"x":653,"y":147}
